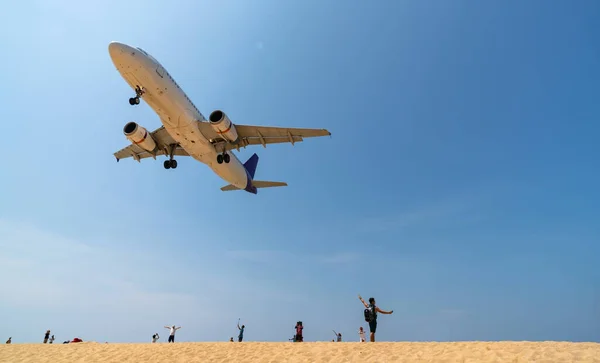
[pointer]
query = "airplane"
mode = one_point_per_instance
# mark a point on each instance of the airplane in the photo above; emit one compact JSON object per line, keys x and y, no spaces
{"x":185,"y":131}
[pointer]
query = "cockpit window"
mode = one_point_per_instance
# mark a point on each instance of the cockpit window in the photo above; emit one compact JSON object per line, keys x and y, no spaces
{"x":146,"y":53}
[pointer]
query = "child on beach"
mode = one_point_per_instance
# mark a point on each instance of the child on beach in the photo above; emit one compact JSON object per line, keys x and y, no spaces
{"x":155,"y":338}
{"x":51,"y":339}
{"x":361,"y":334}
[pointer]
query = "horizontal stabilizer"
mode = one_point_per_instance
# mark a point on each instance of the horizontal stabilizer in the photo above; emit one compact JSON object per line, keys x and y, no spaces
{"x":268,"y":184}
{"x":256,"y":183}
{"x":229,"y":187}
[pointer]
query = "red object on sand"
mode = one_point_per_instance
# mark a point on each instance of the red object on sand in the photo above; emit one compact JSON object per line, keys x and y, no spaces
{"x":76,"y":340}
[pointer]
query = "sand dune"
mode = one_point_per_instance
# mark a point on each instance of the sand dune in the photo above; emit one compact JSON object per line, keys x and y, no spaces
{"x":303,"y":352}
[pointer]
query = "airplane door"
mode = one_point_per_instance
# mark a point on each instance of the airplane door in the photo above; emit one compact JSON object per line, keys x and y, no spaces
{"x":160,"y":70}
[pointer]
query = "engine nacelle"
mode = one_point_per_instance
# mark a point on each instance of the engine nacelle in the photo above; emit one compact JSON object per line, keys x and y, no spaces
{"x":139,"y":136}
{"x":223,"y":125}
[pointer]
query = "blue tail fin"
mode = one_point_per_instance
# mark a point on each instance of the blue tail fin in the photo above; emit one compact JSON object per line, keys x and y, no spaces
{"x":253,"y":185}
{"x":250,"y":165}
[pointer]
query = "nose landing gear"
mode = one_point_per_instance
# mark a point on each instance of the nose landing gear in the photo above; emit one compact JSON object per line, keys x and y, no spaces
{"x":139,"y":92}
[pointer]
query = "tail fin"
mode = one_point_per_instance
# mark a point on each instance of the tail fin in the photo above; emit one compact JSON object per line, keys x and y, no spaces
{"x":251,"y":164}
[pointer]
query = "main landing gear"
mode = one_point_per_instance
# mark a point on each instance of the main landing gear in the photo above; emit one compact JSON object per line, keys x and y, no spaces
{"x":171,"y":163}
{"x":223,"y":158}
{"x":139,"y":92}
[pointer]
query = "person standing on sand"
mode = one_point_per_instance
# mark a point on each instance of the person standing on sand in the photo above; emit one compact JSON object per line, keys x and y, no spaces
{"x":9,"y":340}
{"x":172,"y":333}
{"x":241,"y":335}
{"x":51,"y":339}
{"x":374,"y":310}
{"x":46,"y":336}
{"x":155,"y":338}
{"x":361,"y":334}
{"x":299,"y":327}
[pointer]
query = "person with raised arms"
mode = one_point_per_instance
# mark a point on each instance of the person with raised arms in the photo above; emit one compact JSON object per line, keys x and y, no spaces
{"x":371,"y":311}
{"x":241,"y":334}
{"x":172,"y":333}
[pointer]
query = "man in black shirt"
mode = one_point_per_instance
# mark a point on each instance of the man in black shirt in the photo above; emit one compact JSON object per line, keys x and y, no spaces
{"x":374,"y":310}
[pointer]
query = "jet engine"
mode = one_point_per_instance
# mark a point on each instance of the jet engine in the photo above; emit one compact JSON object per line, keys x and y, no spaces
{"x":139,"y":136}
{"x":223,"y":125}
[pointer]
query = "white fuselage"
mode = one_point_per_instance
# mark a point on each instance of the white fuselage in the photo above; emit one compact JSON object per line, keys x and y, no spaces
{"x":176,"y":111}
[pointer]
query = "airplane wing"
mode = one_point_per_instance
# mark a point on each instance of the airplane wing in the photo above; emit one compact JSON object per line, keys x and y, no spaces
{"x":248,"y":135}
{"x":162,"y":139}
{"x":260,"y":135}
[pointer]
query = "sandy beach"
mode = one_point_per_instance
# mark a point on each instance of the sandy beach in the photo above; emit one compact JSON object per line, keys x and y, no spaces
{"x":304,"y":352}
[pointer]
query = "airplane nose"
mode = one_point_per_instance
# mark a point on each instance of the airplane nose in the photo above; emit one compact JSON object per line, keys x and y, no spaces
{"x":115,"y":49}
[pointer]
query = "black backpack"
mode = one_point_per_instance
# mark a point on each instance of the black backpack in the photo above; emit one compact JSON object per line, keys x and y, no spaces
{"x":370,"y":314}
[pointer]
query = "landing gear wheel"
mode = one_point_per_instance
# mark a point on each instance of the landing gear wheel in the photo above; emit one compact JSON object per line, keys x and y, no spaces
{"x":226,"y":158}
{"x":139,"y":92}
{"x":220,"y":159}
{"x":167,"y":164}
{"x":173,"y":164}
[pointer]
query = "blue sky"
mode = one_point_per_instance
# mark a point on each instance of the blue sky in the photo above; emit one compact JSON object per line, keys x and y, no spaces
{"x":459,"y":187}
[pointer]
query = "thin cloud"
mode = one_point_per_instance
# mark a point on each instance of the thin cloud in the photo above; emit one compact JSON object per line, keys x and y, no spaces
{"x":258,"y":256}
{"x":44,"y":270}
{"x":453,"y":210}
{"x":276,"y":256}
{"x":340,"y":258}
{"x":53,"y":271}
